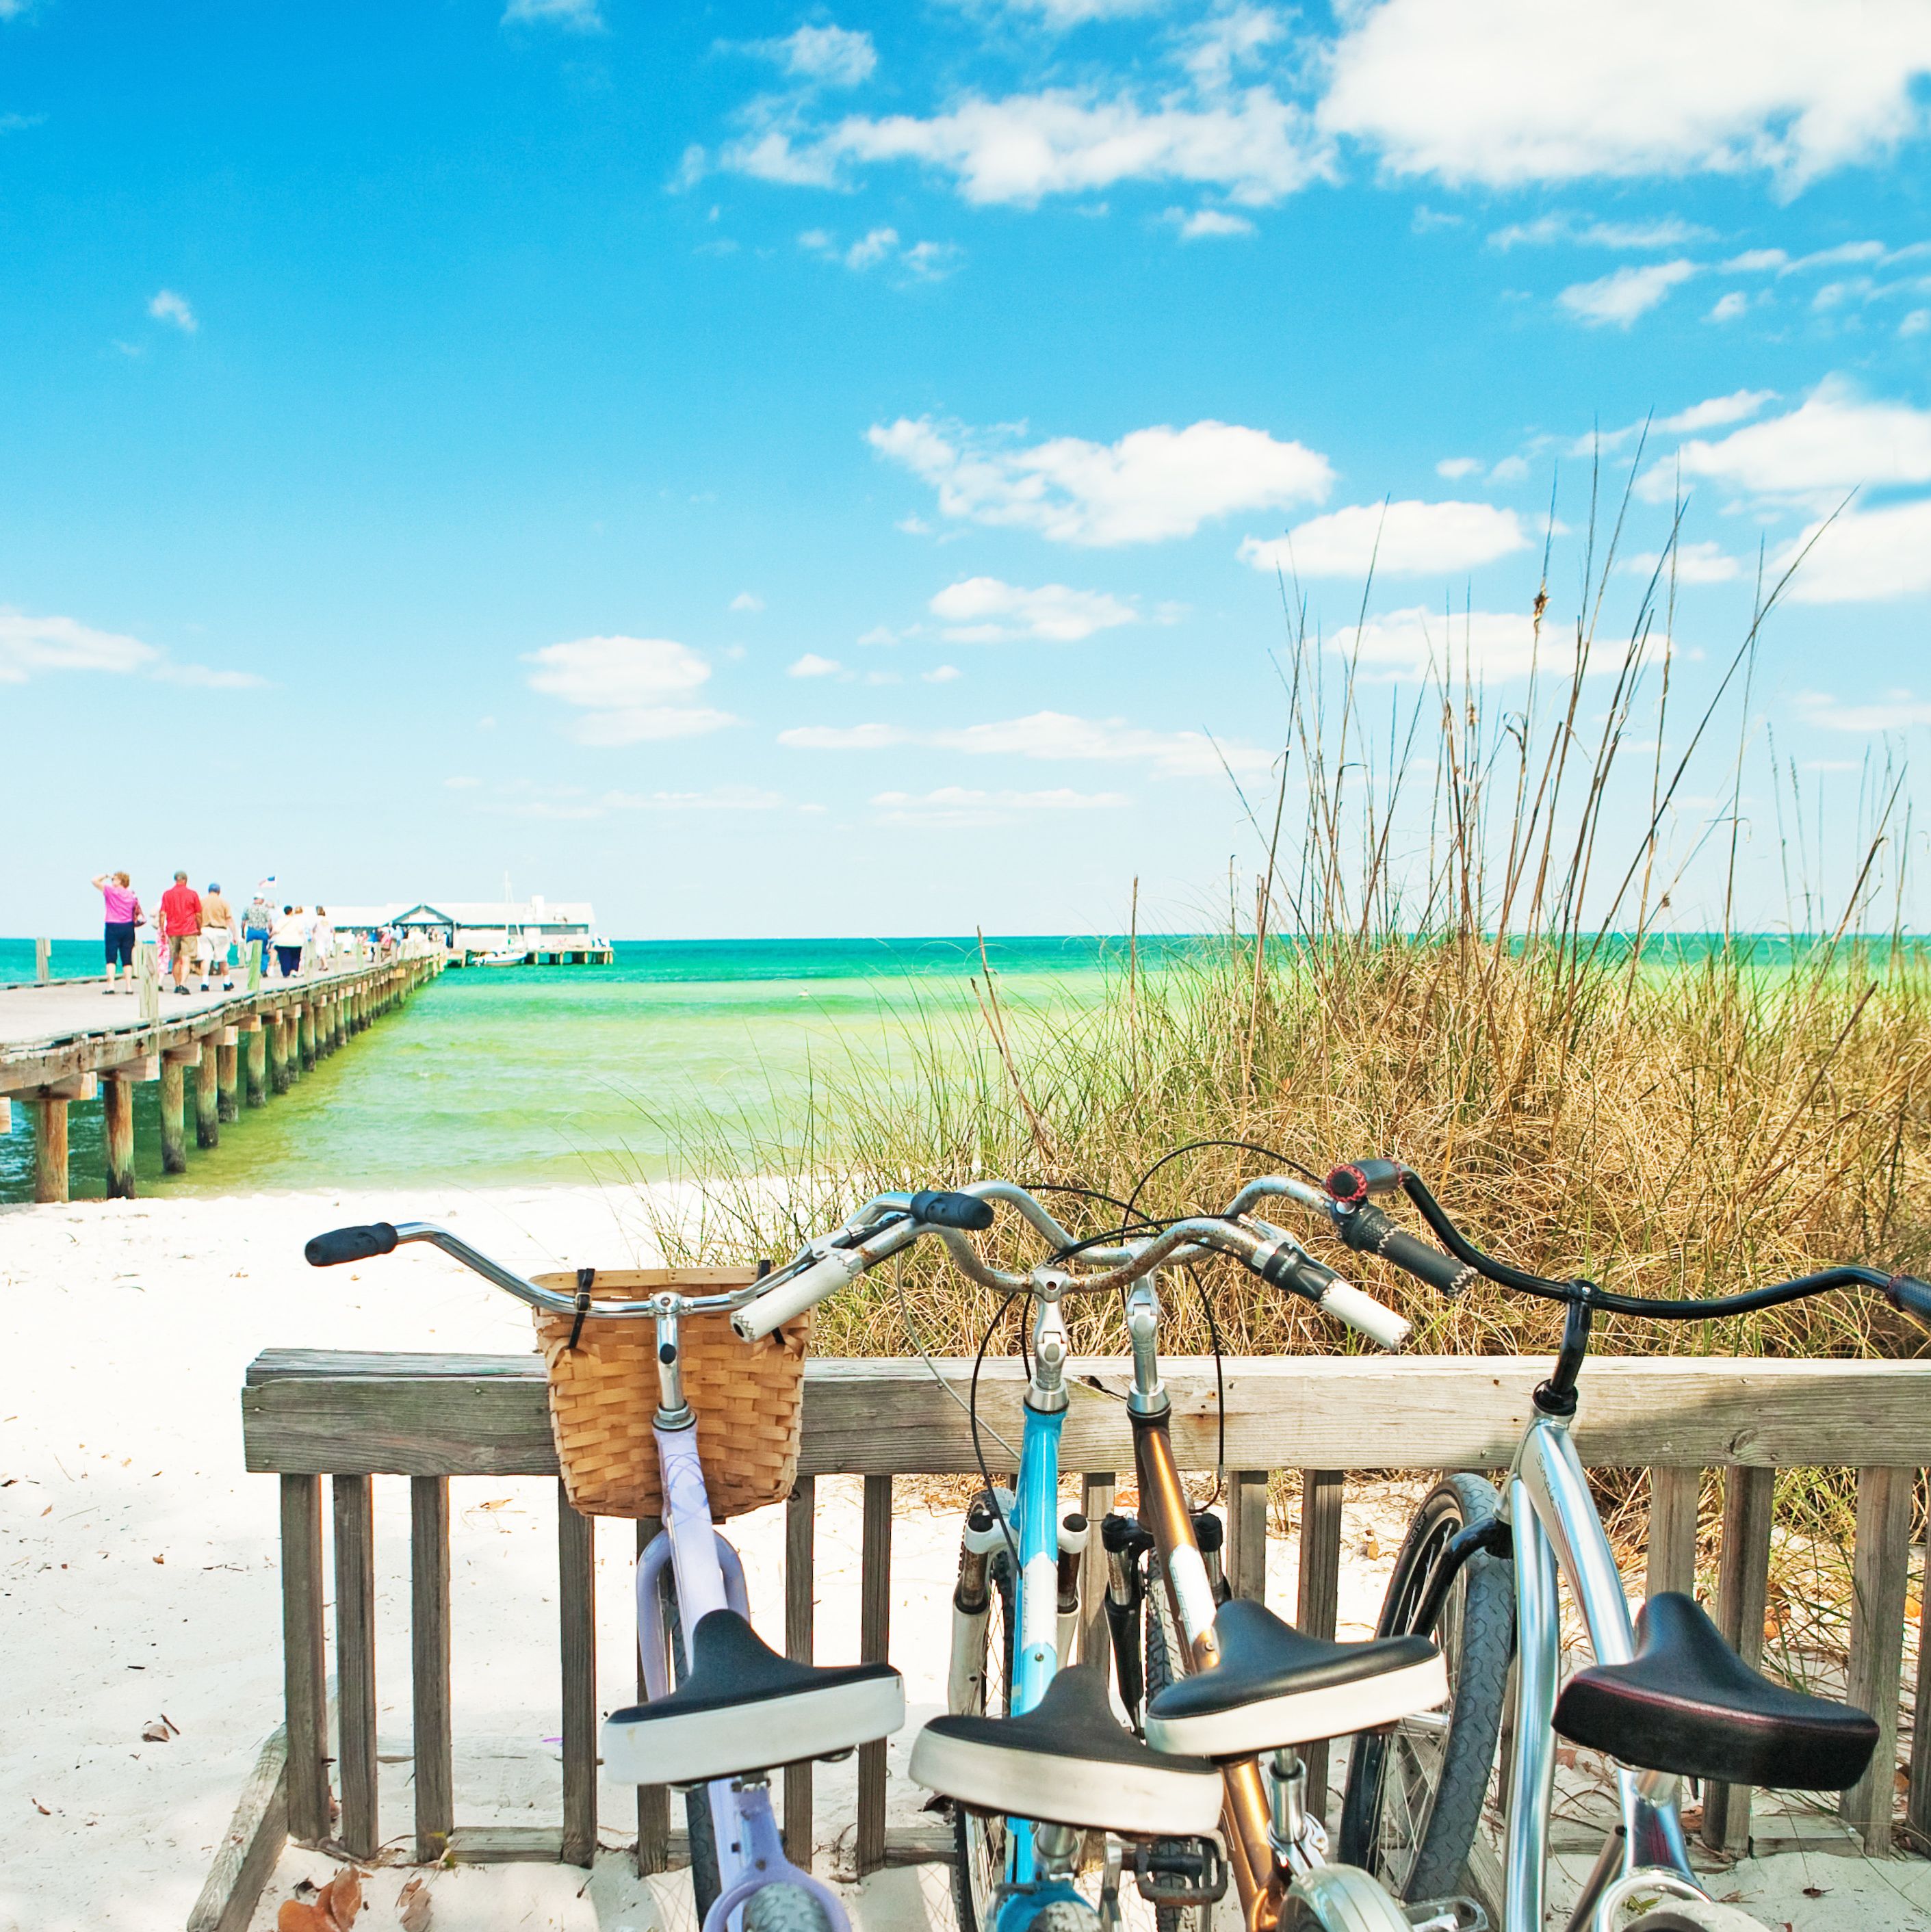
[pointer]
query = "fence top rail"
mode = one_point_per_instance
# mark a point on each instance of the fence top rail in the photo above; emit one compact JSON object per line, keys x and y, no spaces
{"x":307,"y":1411}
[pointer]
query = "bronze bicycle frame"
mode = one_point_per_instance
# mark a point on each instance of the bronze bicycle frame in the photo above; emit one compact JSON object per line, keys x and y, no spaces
{"x":1245,"y":1813}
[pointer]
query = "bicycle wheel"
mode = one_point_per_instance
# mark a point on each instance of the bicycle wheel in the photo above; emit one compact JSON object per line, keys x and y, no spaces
{"x":784,"y":1908}
{"x":979,"y":1841}
{"x":1415,"y":1791}
{"x":1166,"y":1659}
{"x":1339,"y":1898}
{"x":1701,"y":1915}
{"x":706,"y":1882}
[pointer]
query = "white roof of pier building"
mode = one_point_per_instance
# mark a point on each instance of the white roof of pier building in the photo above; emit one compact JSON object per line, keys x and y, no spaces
{"x":533,"y":915}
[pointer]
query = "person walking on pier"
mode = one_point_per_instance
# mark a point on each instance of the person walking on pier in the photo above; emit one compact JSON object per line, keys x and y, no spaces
{"x":257,"y":923}
{"x":217,"y":937}
{"x":181,"y":929}
{"x":288,"y":938}
{"x":122,"y":905}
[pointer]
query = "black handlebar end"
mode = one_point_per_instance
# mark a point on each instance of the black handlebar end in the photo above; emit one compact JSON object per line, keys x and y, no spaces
{"x":937,"y":1209}
{"x":1356,"y":1182}
{"x":1913,"y":1297}
{"x":351,"y":1244}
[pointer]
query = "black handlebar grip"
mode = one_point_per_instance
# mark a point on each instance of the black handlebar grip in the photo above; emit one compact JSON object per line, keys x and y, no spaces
{"x":351,"y":1244}
{"x":1913,"y":1296}
{"x":939,"y":1209}
{"x":1369,"y":1232}
{"x":1299,"y":1274}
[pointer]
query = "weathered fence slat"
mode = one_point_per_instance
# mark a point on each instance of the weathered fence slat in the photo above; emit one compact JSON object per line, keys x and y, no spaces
{"x":1097,"y":1489}
{"x":801,"y":1604}
{"x":1918,"y":1801}
{"x":576,"y":1613}
{"x":875,"y":1619}
{"x":1317,"y":1602}
{"x":303,"y":1664}
{"x":1880,"y":1568}
{"x":355,"y":1662}
{"x":429,"y":1664}
{"x":1247,"y":1533}
{"x":653,"y":1801}
{"x":1743,"y":1591}
{"x":1673,"y":1496}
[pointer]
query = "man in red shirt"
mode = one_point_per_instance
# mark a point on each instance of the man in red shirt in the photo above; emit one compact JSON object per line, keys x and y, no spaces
{"x":181,"y":927}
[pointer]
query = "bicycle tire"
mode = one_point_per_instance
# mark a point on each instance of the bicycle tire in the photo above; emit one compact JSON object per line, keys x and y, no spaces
{"x":1163,"y":1648}
{"x":979,"y":1841}
{"x":1339,"y":1898}
{"x":706,"y":1880}
{"x":1423,"y":1853}
{"x":785,"y":1908}
{"x":1064,"y":1915}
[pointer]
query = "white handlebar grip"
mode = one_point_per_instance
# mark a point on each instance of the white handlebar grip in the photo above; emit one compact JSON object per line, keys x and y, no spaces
{"x":1379,"y":1323}
{"x":826,"y":1275}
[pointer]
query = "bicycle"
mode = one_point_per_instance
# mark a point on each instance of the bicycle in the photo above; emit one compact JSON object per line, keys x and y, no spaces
{"x":723,"y":1710}
{"x":1030,"y":1753}
{"x":1666,"y":1698}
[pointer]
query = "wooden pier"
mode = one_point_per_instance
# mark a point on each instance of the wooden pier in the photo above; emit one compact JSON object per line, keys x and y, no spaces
{"x":328,"y":1424}
{"x":71,"y":1039}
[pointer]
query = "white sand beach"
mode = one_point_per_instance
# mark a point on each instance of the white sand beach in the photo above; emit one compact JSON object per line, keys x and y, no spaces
{"x":139,"y":1580}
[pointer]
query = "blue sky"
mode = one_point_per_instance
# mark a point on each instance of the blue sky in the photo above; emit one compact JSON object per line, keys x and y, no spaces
{"x":781,"y":471}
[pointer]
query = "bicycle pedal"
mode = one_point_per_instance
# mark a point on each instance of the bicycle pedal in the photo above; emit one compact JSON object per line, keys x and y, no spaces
{"x":1180,"y":1871}
{"x":1445,"y":1915}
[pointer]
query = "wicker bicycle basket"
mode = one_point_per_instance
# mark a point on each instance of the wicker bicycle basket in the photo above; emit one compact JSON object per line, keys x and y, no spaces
{"x":748,"y":1396}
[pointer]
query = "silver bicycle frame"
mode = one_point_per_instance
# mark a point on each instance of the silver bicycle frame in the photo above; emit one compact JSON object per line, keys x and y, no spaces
{"x":1556,"y":1529}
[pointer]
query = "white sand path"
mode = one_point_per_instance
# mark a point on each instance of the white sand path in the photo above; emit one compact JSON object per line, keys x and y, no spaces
{"x":138,"y":1576}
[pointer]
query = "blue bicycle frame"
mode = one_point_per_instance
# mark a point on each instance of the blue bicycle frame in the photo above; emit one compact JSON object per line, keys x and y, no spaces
{"x":1034,"y":1521}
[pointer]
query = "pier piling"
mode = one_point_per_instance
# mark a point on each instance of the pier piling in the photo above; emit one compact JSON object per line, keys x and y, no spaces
{"x":208,"y":1097}
{"x":175,"y":1063}
{"x":276,"y":1028}
{"x":50,"y":1147}
{"x":227,"y":1069}
{"x":304,"y":1016}
{"x":117,"y":1135}
{"x":254,"y":1037}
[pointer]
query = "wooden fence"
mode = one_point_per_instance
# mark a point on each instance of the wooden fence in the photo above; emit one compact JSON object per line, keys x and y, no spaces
{"x":351,"y":1417}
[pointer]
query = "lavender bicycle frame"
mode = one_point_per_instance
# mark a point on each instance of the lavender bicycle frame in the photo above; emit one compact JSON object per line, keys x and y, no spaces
{"x":750,"y":1848}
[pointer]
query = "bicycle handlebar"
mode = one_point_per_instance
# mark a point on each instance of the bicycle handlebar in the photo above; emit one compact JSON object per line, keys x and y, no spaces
{"x":351,"y":1244}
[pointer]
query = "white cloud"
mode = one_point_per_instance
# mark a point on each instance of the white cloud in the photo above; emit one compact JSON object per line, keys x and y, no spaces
{"x":1063,"y":13}
{"x":1653,"y":87}
{"x":942,"y":674}
{"x":168,"y":307}
{"x":1899,"y":710}
{"x":1620,"y":298}
{"x":959,"y":805}
{"x":746,"y":600}
{"x":1668,"y":232}
{"x":1252,"y":145}
{"x":1510,"y":470}
{"x":1208,"y":224}
{"x":1493,"y":644}
{"x":581,"y":16}
{"x":30,"y":646}
{"x":1236,"y":38}
{"x":1695,"y":563}
{"x":720,"y":798}
{"x":924,"y":261}
{"x":1151,"y":484}
{"x":1403,"y":539}
{"x":1716,"y":411}
{"x":1865,"y":555}
{"x":811,"y":665}
{"x":1728,"y":307}
{"x":1915,"y":323}
{"x":829,"y":56}
{"x":982,"y":610}
{"x":1043,"y":734}
{"x":619,"y":684}
{"x":1836,"y":441}
{"x":1454,"y":468}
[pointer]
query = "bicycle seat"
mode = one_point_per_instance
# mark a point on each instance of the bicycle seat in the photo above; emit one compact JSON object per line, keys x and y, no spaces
{"x":1686,"y":1703}
{"x":1068,"y":1761}
{"x":1273,"y":1685}
{"x":743,"y":1708}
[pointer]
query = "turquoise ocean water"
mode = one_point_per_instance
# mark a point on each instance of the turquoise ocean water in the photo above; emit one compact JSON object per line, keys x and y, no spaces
{"x":569,"y":1074}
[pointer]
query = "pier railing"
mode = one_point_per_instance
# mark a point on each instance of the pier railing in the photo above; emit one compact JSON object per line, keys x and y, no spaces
{"x":310,"y":1416}
{"x":243,"y":1049}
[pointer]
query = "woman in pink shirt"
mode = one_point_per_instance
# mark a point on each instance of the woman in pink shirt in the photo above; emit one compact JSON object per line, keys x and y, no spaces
{"x":122,"y":906}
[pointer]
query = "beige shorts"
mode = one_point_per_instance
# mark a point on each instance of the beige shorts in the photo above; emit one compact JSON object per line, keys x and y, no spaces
{"x":181,"y":948}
